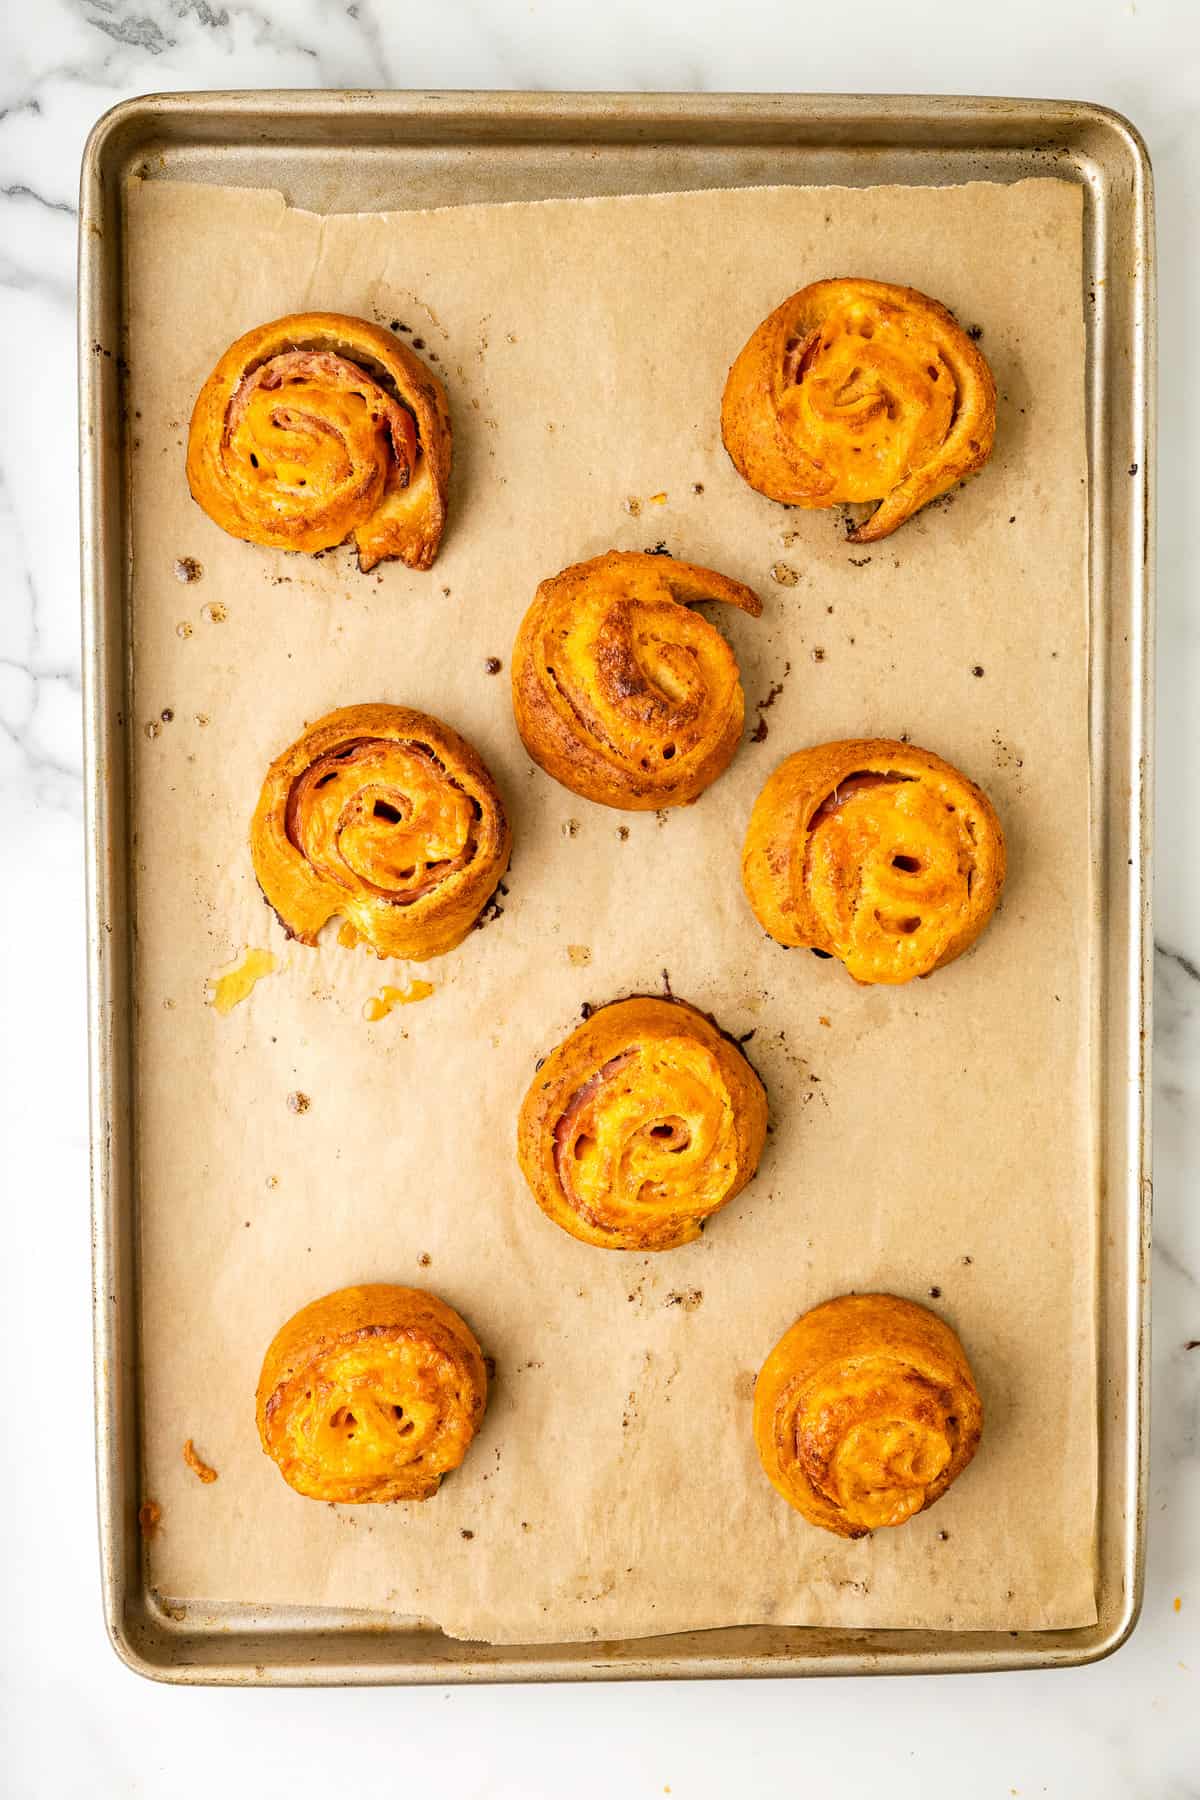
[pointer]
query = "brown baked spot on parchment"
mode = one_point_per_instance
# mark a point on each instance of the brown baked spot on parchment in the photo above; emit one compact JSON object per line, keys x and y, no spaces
{"x":759,"y":734}
{"x":687,"y":1298}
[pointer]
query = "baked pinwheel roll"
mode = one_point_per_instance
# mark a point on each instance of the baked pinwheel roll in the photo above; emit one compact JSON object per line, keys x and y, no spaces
{"x":372,"y":1393}
{"x":640,"y":1126}
{"x":320,"y":427}
{"x":858,"y":391}
{"x":874,"y":852}
{"x":620,"y":691}
{"x":388,"y":818}
{"x":865,"y":1412}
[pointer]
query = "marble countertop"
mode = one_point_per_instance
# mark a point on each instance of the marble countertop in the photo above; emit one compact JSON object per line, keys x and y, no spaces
{"x":79,"y":1723}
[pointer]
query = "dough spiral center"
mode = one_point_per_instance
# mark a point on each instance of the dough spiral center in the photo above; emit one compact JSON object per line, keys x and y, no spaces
{"x":874,"y":1438}
{"x":651,"y":1131}
{"x":888,"y":864}
{"x":368,"y":1409}
{"x":869,"y":397}
{"x":383,"y":814}
{"x":882,"y":1465}
{"x":310,"y":428}
{"x":646,"y":682}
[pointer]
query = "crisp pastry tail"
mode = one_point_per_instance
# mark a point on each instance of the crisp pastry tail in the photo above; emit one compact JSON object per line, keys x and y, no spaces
{"x":640,"y":1126}
{"x":388,"y":818}
{"x":865,"y":1412}
{"x":859,"y":391}
{"x":371,"y":1393}
{"x":877,"y":853}
{"x":321,"y":427}
{"x":621,"y":691}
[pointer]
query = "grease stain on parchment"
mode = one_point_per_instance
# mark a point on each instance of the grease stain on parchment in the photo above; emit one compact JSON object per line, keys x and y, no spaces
{"x":230,"y":989}
{"x":381,"y":1004}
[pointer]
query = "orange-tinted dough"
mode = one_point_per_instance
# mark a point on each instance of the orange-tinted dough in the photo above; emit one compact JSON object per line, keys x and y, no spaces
{"x":620,"y":690}
{"x":875,"y":852}
{"x":371,"y":1393}
{"x":865,"y":1412}
{"x":640,"y":1126}
{"x":387,"y":817}
{"x":319,"y":427}
{"x":857,"y":390}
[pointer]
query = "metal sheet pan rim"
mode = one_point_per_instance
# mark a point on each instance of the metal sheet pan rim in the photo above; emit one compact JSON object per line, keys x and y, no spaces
{"x":296,"y":1649}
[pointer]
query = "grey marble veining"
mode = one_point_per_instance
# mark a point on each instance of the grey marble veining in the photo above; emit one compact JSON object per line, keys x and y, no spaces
{"x":1128,"y":1727}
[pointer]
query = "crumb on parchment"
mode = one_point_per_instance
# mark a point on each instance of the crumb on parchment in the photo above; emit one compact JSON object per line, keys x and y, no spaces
{"x":196,"y":1463}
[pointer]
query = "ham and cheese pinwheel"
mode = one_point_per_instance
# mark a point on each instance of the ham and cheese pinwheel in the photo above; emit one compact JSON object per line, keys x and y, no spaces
{"x":371,"y":1393}
{"x":859,"y":391}
{"x":621,"y":691}
{"x":321,"y":427}
{"x":865,"y":1412}
{"x":875,"y":852}
{"x":388,"y":818}
{"x":640,"y":1126}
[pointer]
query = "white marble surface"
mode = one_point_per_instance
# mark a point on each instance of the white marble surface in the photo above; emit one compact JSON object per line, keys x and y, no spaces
{"x":78,"y":1723}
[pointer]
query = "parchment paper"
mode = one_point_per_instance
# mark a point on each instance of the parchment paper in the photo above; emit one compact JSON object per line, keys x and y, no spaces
{"x":931,"y":1140}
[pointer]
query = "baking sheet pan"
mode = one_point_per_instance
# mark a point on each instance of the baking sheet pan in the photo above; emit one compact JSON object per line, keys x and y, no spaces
{"x":726,"y":143}
{"x":947,"y":1174}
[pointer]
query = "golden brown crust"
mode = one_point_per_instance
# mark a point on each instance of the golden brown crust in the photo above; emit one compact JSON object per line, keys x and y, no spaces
{"x":371,"y":1393}
{"x":318,"y":427}
{"x":620,"y":691}
{"x":854,"y":391}
{"x":865,"y":1412}
{"x":388,"y":818}
{"x":875,"y":852}
{"x":640,"y":1126}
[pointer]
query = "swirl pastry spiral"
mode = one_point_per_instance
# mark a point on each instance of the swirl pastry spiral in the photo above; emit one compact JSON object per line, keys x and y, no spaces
{"x":640,"y":1126}
{"x":388,"y":818}
{"x":620,"y":691}
{"x":372,"y":1393}
{"x":319,"y":427}
{"x":855,"y":391}
{"x":865,"y":1412}
{"x":875,"y":852}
